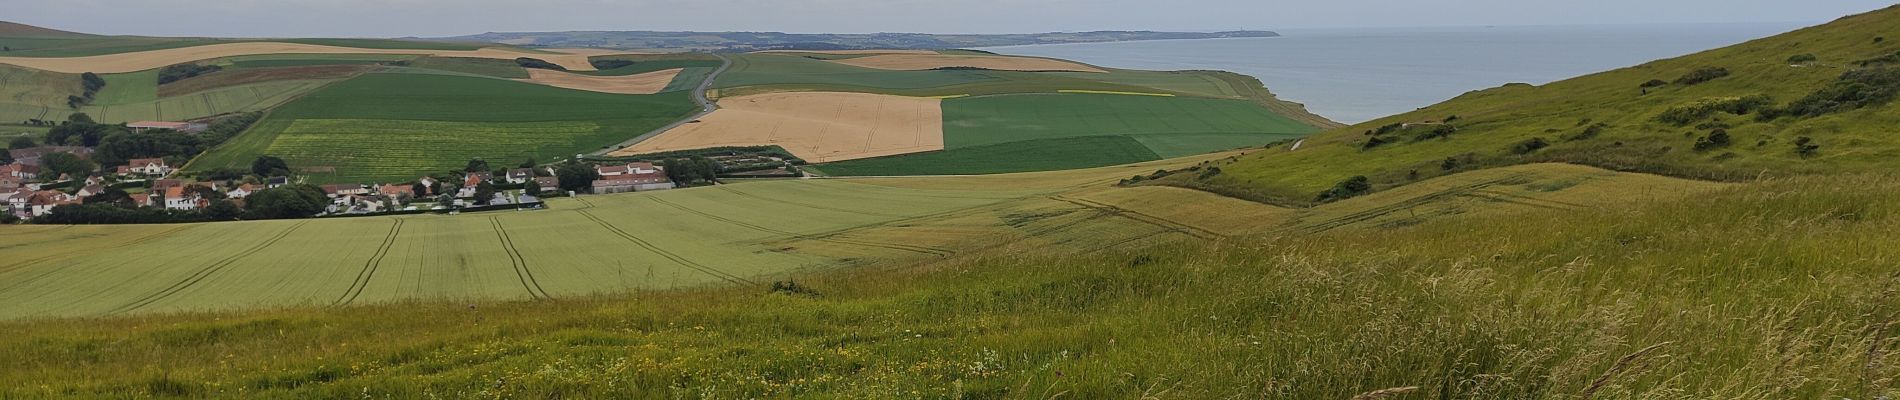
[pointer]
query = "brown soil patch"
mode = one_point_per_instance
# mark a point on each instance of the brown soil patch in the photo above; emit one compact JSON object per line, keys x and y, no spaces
{"x":816,"y":126}
{"x":144,"y":60}
{"x":241,"y":77}
{"x":919,"y":62}
{"x":647,"y":83}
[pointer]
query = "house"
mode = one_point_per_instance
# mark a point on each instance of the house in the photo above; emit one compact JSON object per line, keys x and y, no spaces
{"x":520,"y":175}
{"x":22,"y":171}
{"x":633,"y":182}
{"x":630,"y":168}
{"x":141,"y":200}
{"x":31,"y":155}
{"x":42,"y":202}
{"x":476,"y":178}
{"x":13,"y":199}
{"x":186,"y":127}
{"x":9,"y":183}
{"x":177,"y":198}
{"x":427,"y":182}
{"x":276,"y":182}
{"x":547,"y":182}
{"x":241,"y":191}
{"x":398,"y":192}
{"x":148,"y":166}
{"x":89,"y":191}
{"x":345,"y":190}
{"x":162,"y":184}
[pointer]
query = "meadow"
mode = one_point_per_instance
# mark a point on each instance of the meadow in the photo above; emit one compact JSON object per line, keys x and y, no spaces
{"x":416,"y":123}
{"x":1030,"y":132}
{"x":1624,"y":302}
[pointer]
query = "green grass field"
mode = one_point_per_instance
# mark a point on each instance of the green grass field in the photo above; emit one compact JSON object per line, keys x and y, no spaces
{"x":34,"y":94}
{"x":506,"y":69}
{"x":1016,"y":133}
{"x":416,"y":123}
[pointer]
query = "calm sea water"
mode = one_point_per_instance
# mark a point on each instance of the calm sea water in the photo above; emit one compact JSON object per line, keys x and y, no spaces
{"x":1358,"y":75}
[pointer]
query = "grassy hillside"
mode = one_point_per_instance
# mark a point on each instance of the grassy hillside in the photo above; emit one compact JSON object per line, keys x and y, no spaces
{"x":1779,"y":95}
{"x":1625,"y":301}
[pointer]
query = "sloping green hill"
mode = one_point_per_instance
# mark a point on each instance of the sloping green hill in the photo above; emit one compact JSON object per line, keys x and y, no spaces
{"x":1815,"y":100}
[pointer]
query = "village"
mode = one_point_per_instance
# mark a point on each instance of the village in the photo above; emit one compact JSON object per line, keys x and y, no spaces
{"x":39,"y":180}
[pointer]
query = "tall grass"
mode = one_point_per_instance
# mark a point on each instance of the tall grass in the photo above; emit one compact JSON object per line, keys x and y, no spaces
{"x":1770,"y":290}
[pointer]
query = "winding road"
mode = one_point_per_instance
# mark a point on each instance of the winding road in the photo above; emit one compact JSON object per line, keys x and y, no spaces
{"x":706,"y":106}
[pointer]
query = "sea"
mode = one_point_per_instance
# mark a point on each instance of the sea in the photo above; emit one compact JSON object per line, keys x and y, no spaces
{"x":1356,"y":75}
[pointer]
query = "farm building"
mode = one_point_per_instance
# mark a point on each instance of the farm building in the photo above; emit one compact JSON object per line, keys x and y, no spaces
{"x":637,"y":182}
{"x":547,"y":182}
{"x":397,"y":192}
{"x":520,"y":175}
{"x":148,"y":166}
{"x":630,"y":168}
{"x":187,"y":127}
{"x":20,"y":171}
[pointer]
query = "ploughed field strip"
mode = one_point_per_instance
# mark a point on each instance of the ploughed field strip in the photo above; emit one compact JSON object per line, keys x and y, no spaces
{"x":815,"y":126}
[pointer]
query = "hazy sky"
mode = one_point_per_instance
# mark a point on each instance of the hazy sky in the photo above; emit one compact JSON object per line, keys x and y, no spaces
{"x":387,"y":18}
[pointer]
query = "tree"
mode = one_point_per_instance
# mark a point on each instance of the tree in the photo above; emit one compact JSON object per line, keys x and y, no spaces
{"x":20,"y":143}
{"x":268,"y":166}
{"x":223,"y":210}
{"x":6,"y":157}
{"x":120,"y":147}
{"x":476,"y":165}
{"x":288,"y":201}
{"x":420,"y":189}
{"x":532,"y":188}
{"x":57,"y":164}
{"x":529,"y":163}
{"x":575,"y":176}
{"x":112,"y":196}
{"x":484,"y":192}
{"x":82,"y":118}
{"x":80,"y":132}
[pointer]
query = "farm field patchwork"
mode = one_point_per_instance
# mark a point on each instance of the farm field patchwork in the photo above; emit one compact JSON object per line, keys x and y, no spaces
{"x":646,"y":83}
{"x":241,"y":98}
{"x":33,"y":94}
{"x":1015,"y":133}
{"x":426,"y":122}
{"x":790,"y":70}
{"x":152,"y":59}
{"x":919,"y":62}
{"x":815,"y":126}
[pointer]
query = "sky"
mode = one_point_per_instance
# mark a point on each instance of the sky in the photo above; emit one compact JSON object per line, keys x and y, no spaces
{"x":431,"y":18}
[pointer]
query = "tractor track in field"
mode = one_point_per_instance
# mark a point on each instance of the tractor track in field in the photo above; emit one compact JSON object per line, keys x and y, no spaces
{"x":369,"y":267}
{"x":520,"y":263}
{"x":813,"y":206}
{"x":943,"y":253}
{"x":667,"y":254}
{"x":1375,"y":212}
{"x":203,"y":274}
{"x":1164,"y":223}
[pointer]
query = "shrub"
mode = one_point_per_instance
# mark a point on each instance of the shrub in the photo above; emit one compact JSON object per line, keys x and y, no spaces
{"x":1717,"y":139}
{"x":611,"y":64}
{"x":1589,"y":131}
{"x":1805,"y":146}
{"x":179,"y":72}
{"x":526,"y":62}
{"x":1529,"y":146}
{"x":1450,"y":163}
{"x":1375,"y":141}
{"x":1696,"y":111}
{"x":1701,"y":75}
{"x":1853,"y":90}
{"x":1351,"y":187}
{"x":1881,"y":60}
{"x":1653,"y":83}
{"x":1802,"y":59}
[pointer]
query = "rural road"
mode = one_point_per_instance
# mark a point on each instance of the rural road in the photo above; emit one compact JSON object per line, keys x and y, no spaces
{"x":706,"y":106}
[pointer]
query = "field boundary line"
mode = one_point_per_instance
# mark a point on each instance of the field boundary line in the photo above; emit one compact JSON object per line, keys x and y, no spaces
{"x":944,"y":253}
{"x":205,"y":273}
{"x":666,"y":254}
{"x":369,"y":267}
{"x":520,"y":263}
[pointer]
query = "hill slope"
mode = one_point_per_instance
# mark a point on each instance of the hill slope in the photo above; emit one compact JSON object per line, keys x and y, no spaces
{"x":1815,"y":100}
{"x":15,"y":29}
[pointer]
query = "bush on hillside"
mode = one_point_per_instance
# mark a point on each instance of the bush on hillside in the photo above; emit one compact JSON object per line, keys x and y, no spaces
{"x":1653,"y":83}
{"x":1529,"y":146}
{"x":611,"y":64}
{"x":1805,"y":146}
{"x":181,"y":72}
{"x":526,"y":62}
{"x":1802,"y":59}
{"x":1701,"y":75}
{"x":1717,"y":139}
{"x":1689,"y":113}
{"x":1351,"y":187}
{"x":1853,"y":90}
{"x":1887,"y":59}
